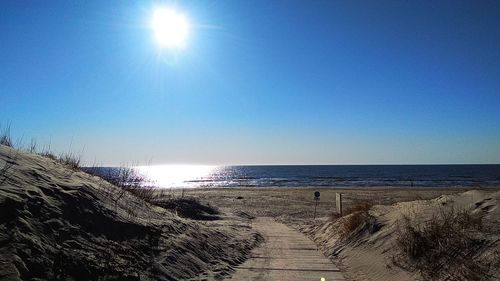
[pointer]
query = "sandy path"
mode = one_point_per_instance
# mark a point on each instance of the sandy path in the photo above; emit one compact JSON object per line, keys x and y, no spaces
{"x":285,"y":255}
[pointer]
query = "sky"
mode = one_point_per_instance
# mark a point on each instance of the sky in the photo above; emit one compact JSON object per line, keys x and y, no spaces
{"x":258,"y":82}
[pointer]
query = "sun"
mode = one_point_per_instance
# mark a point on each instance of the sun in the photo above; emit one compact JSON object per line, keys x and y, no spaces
{"x":170,"y":27}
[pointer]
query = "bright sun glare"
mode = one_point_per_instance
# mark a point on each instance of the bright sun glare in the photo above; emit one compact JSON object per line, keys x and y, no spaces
{"x":171,"y":28}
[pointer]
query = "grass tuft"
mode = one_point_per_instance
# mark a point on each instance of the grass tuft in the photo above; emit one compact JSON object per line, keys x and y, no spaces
{"x":353,"y":223}
{"x":446,"y":247}
{"x":5,"y":138}
{"x":48,"y":154}
{"x":33,"y":146}
{"x":192,"y":208}
{"x":354,"y":219}
{"x":70,"y":160}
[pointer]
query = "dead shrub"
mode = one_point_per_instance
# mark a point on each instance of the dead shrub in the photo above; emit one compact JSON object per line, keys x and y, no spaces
{"x":446,"y":247}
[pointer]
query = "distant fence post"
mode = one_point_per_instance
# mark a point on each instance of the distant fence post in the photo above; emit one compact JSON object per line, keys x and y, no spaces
{"x":338,"y":203}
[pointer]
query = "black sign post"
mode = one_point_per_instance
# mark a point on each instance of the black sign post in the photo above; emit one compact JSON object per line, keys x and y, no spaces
{"x":316,"y":199}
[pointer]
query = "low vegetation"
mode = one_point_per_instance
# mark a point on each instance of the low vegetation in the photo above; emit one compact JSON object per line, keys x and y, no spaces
{"x":353,"y":219}
{"x":70,"y":160}
{"x":5,"y":138}
{"x":128,"y":179}
{"x":131,"y":181}
{"x":189,"y":207}
{"x":446,"y":247}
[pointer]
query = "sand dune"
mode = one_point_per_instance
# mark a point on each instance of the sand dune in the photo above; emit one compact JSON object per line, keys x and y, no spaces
{"x":370,"y":253}
{"x":56,"y":223}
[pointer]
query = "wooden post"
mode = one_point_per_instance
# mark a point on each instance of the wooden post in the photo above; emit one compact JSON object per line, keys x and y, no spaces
{"x":338,"y":203}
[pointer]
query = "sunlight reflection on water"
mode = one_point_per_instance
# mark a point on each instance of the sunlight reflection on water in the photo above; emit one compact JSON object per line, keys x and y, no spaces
{"x":175,"y":176}
{"x":202,"y":176}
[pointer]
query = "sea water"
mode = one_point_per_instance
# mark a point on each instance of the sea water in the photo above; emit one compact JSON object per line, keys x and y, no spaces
{"x":199,"y":176}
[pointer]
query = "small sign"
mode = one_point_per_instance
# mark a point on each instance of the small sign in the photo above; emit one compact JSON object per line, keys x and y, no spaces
{"x":316,"y":199}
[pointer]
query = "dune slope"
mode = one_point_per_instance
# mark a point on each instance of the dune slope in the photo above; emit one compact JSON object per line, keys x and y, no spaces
{"x":371,"y":252}
{"x":60,"y":224}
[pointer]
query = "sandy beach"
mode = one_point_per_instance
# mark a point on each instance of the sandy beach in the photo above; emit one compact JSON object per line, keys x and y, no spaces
{"x":299,"y":202}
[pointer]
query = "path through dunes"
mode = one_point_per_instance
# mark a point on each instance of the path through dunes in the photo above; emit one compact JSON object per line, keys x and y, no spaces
{"x":285,"y":255}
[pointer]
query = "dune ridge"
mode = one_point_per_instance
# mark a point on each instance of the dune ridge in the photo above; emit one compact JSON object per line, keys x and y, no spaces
{"x":370,"y":251}
{"x":60,"y":224}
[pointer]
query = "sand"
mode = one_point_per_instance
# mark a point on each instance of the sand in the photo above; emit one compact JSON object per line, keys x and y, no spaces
{"x":298,"y":203}
{"x":366,"y":256}
{"x":369,"y":256}
{"x":60,"y":224}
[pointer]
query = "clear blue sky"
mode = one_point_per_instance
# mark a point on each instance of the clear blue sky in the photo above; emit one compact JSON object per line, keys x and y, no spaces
{"x":259,"y":82}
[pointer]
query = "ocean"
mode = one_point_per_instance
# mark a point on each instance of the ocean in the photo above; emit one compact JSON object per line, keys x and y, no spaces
{"x":335,"y":176}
